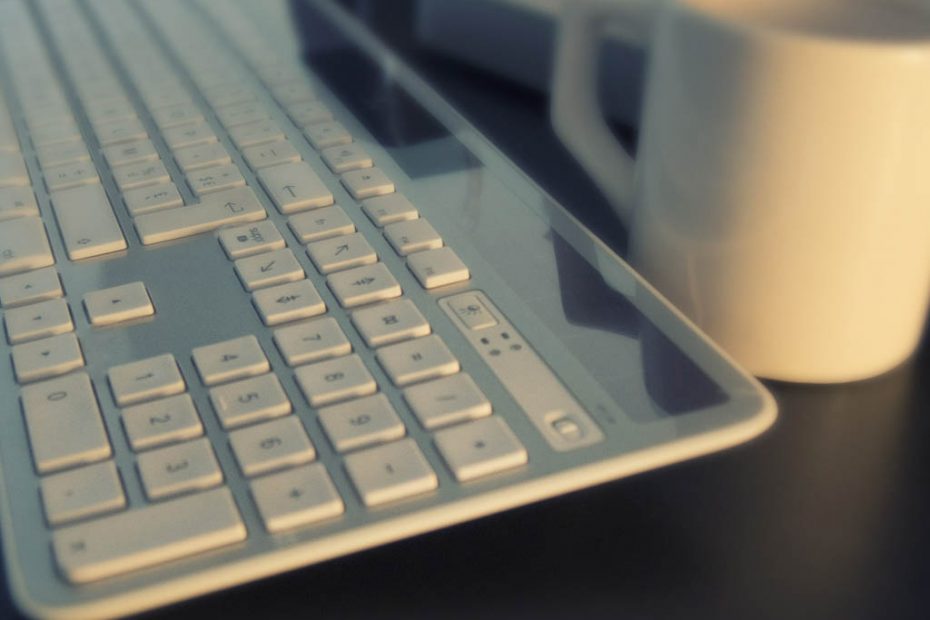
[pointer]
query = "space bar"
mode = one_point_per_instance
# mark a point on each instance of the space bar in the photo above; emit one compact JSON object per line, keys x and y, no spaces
{"x":234,"y":206}
{"x":147,"y":536}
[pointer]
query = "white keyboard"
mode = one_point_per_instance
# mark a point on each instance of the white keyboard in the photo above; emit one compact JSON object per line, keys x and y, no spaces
{"x":237,"y":345}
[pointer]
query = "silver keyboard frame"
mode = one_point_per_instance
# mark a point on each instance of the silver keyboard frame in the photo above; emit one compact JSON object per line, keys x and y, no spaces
{"x":207,"y":304}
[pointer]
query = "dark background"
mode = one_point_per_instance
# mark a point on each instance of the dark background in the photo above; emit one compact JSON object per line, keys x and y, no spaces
{"x":827,"y":515}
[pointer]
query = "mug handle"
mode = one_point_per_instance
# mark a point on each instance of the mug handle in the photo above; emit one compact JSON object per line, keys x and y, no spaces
{"x":576,"y":113}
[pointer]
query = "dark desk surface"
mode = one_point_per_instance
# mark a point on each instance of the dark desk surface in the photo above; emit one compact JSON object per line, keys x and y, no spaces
{"x":825,"y":516}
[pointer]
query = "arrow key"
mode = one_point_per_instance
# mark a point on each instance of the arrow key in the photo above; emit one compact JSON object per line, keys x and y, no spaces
{"x":288,"y":302}
{"x":48,"y":357}
{"x":118,"y":304}
{"x":268,"y":269}
{"x":340,"y":253}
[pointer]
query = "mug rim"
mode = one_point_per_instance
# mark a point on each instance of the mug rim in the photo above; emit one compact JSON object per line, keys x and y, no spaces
{"x":777,"y":32}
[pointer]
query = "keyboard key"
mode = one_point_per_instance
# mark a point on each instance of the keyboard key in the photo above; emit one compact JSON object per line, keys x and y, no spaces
{"x":188,"y":135}
{"x":136,"y":152}
{"x":141,"y":174}
{"x":384,"y":210}
{"x":390,"y":322}
{"x":152,"y":198}
{"x":295,"y":187}
{"x":87,"y":223}
{"x":167,"y":420}
{"x":361,"y":423}
{"x":471,"y":311}
{"x":435,"y":268}
{"x":288,"y":302}
{"x":242,"y":113}
{"x":23,"y":246}
{"x":289,"y":93}
{"x":480,"y":448}
{"x":447,"y":401}
{"x":335,"y":380}
{"x":64,"y":153}
{"x":338,"y":253}
{"x":47,"y":357}
{"x":390,"y":472}
{"x":82,"y":493}
{"x":412,"y":236}
{"x":255,"y":133}
{"x":306,"y":113}
{"x":17,"y":202}
{"x":271,"y":154}
{"x":364,"y":285}
{"x":251,"y":239}
{"x":325,"y":135}
{"x":296,"y":497}
{"x":114,"y":109}
{"x":64,"y":423}
{"x":177,"y":115}
{"x":235,"y":206}
{"x":268,"y":269}
{"x":272,"y":445}
{"x":13,"y":171}
{"x":143,"y":537}
{"x":222,"y":95}
{"x":30,"y":287}
{"x":145,"y":379}
{"x":417,"y":360}
{"x":202,"y":156}
{"x":347,"y":157}
{"x":118,"y":304}
{"x":230,"y":360}
{"x":311,"y":342}
{"x":367,"y":183}
{"x":115,"y":132}
{"x":180,"y":468}
{"x":55,"y":133}
{"x":321,"y":224}
{"x":70,"y":175}
{"x":45,"y":318}
{"x":215,"y":179}
{"x":249,"y":400}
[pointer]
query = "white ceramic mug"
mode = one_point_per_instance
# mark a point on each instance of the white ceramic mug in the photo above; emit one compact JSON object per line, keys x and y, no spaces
{"x":781,"y":192}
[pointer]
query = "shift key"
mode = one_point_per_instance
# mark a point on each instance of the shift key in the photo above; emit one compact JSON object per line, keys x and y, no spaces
{"x":88,"y":226}
{"x":235,"y":206}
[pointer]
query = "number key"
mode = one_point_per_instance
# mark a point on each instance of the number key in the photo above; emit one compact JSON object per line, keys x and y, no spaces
{"x":177,"y":469}
{"x":265,"y":447}
{"x":250,"y":400}
{"x":162,"y":421}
